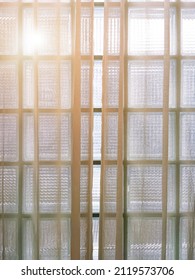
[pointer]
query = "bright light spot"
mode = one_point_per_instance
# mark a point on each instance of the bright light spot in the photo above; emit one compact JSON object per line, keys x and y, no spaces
{"x":32,"y":42}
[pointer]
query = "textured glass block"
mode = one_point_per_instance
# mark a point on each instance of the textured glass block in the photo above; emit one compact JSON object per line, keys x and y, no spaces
{"x":187,"y":136}
{"x":145,"y":239}
{"x":47,"y":24}
{"x":65,"y":84}
{"x":9,"y":189}
{"x":112,"y":84}
{"x":65,"y":30}
{"x":28,"y":137}
{"x":144,"y":188}
{"x":8,"y":137}
{"x":86,"y":30}
{"x":144,"y":136}
{"x":113,"y":35}
{"x":28,"y":84}
{"x":27,"y":240}
{"x":97,"y":84}
{"x":186,"y":239}
{"x":8,"y":85}
{"x":29,"y":193}
{"x":83,"y":238}
{"x":187,"y":188}
{"x":188,"y":83}
{"x":111,"y":136}
{"x":9,"y":237}
{"x":110,"y":189}
{"x":146,"y":31}
{"x":84,"y":184}
{"x":98,"y":37}
{"x":187,"y":36}
{"x":145,"y":84}
{"x":66,"y":136}
{"x":95,"y":231}
{"x":8,"y":30}
{"x":97,"y":136}
{"x":65,"y":193}
{"x":65,"y":238}
{"x":48,"y":84}
{"x":85,"y":123}
{"x":109,"y":239}
{"x":85,"y":84}
{"x":30,"y":37}
{"x":96,"y":189}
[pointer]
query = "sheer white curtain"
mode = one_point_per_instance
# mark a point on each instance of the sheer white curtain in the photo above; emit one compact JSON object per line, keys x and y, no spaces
{"x":97,"y":134}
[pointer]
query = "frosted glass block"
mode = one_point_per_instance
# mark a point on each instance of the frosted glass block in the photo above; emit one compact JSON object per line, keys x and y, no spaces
{"x":86,"y":30}
{"x":95,"y":231}
{"x":188,"y":83}
{"x":65,"y":31}
{"x":146,"y":31}
{"x":65,"y":239}
{"x":186,"y":239}
{"x":85,"y":84}
{"x":97,"y":136}
{"x":113,"y":36}
{"x":65,"y":84}
{"x":66,"y":136}
{"x":48,"y":31}
{"x":111,"y":136}
{"x":84,"y":184}
{"x":83,"y":238}
{"x":144,"y":136}
{"x":85,"y":122}
{"x":8,"y":30}
{"x":48,"y":84}
{"x":187,"y":136}
{"x":28,"y":84}
{"x":9,"y":235}
{"x":28,"y":137}
{"x":9,"y":189}
{"x":8,"y":137}
{"x":98,"y":37}
{"x":110,"y":189}
{"x":187,"y":188}
{"x":65,"y":193}
{"x":144,"y":188}
{"x":8,"y":85}
{"x":145,"y":239}
{"x":96,"y":188}
{"x":27,"y":240}
{"x":109,"y":239}
{"x":97,"y":84}
{"x":187,"y":36}
{"x":29,"y":193}
{"x":145,"y":84}
{"x":30,"y":37}
{"x":112,"y":84}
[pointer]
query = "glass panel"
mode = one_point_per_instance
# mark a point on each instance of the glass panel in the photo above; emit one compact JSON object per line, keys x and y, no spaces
{"x":111,"y":136}
{"x":29,"y":196}
{"x":98,"y":37}
{"x":113,"y":36}
{"x":28,"y":84}
{"x":188,"y":83}
{"x":28,"y":137}
{"x":95,"y":238}
{"x":110,"y":189}
{"x":84,"y":184}
{"x":97,"y":134}
{"x":96,"y":189}
{"x":85,"y":84}
{"x":187,"y":37}
{"x":86,"y":25}
{"x":65,"y":30}
{"x":186,"y":234}
{"x":85,"y":122}
{"x":65,"y":84}
{"x":187,"y":136}
{"x":97,"y":84}
{"x":187,"y":188}
{"x":112,"y":76}
{"x":109,"y":238}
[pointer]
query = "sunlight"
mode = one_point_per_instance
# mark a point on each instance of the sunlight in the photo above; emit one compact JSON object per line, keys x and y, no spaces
{"x":32,"y":42}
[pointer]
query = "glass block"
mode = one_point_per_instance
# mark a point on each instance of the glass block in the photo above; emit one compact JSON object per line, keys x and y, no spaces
{"x":85,"y":123}
{"x":65,"y":31}
{"x":187,"y":36}
{"x":28,"y":84}
{"x":144,"y":188}
{"x":28,"y":137}
{"x":29,"y":193}
{"x":97,"y":136}
{"x":27,"y":240}
{"x":98,"y":37}
{"x":65,"y":193}
{"x":48,"y":84}
{"x":8,"y":30}
{"x":187,"y":188}
{"x":65,"y":238}
{"x":47,"y":24}
{"x":186,"y":239}
{"x":85,"y":84}
{"x":145,"y":239}
{"x":112,"y":84}
{"x":8,"y":85}
{"x":97,"y":84}
{"x":9,"y":236}
{"x":65,"y":84}
{"x":8,"y":137}
{"x":188,"y":83}
{"x":83,"y":238}
{"x":30,"y":37}
{"x":144,"y":136}
{"x":96,"y":189}
{"x":111,"y":136}
{"x":146,"y":31}
{"x":113,"y":31}
{"x":86,"y":30}
{"x":145,"y":84}
{"x":66,"y":136}
{"x":95,"y":231}
{"x":9,"y":189}
{"x":110,"y":189}
{"x":109,"y":239}
{"x":187,"y":136}
{"x":84,"y":183}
